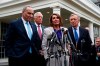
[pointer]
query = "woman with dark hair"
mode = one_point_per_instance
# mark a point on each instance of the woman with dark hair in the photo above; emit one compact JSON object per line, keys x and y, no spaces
{"x":53,"y":42}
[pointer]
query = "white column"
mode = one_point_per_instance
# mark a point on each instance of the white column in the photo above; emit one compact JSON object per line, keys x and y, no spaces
{"x":91,"y":31}
{"x":56,"y":9}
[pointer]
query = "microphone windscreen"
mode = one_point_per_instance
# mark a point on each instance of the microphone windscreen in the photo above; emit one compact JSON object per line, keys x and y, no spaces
{"x":62,"y":29}
{"x":50,"y":36}
{"x":53,"y":36}
{"x":65,"y":32}
{"x":53,"y":33}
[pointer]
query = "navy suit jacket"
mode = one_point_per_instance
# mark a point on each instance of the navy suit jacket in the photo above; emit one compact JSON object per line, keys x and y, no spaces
{"x":83,"y":47}
{"x":84,"y":42}
{"x":39,"y":40}
{"x":17,"y":43}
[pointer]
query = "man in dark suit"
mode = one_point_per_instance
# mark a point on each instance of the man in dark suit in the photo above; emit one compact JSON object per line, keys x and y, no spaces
{"x":38,"y":17}
{"x":81,"y":41}
{"x":97,"y":47}
{"x":20,"y":43}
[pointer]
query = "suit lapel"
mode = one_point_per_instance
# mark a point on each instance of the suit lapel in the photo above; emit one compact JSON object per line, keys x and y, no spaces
{"x":22,"y":28}
{"x":34,"y":29}
{"x":72,"y":35}
{"x":80,"y":33}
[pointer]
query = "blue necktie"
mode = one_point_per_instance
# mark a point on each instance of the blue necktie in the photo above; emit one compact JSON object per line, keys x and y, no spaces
{"x":29,"y":32}
{"x":76,"y":34}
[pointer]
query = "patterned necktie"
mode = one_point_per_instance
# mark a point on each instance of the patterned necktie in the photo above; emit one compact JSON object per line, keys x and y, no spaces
{"x":75,"y":34}
{"x":29,"y":32}
{"x":39,"y":32}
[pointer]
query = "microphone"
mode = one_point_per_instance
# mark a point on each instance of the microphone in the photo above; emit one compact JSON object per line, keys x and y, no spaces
{"x":51,"y":40}
{"x":62,"y":34}
{"x":68,"y":37}
{"x":53,"y":36}
{"x":70,"y":40}
{"x":62,"y":39}
{"x":62,"y":29}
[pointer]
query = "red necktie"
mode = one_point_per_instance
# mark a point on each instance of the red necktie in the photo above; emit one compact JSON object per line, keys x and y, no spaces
{"x":39,"y":32}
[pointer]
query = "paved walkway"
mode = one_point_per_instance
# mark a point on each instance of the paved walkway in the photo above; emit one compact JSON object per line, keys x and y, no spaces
{"x":3,"y":62}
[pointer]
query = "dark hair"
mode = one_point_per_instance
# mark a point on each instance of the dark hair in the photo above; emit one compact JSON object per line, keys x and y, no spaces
{"x":51,"y":24}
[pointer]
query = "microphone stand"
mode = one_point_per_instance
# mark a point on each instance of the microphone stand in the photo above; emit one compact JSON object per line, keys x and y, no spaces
{"x":73,"y":51}
{"x":66,"y":51}
{"x":54,"y":52}
{"x":64,"y":44}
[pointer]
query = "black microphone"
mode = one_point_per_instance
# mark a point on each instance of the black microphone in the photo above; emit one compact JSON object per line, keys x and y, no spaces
{"x":62,"y":40}
{"x":68,"y":36}
{"x":53,"y":36}
{"x":62,"y":34}
{"x":62,"y":29}
{"x":70,"y":40}
{"x":51,"y":40}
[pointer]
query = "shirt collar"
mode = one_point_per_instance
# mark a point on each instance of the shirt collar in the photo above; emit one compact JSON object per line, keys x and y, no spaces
{"x":23,"y":20}
{"x":37,"y":24}
{"x":76,"y":28}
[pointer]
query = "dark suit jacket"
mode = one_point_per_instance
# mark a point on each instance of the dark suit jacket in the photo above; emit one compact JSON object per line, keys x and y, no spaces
{"x":40,"y":40}
{"x":17,"y":43}
{"x":41,"y":61}
{"x":84,"y":42}
{"x":83,"y":46}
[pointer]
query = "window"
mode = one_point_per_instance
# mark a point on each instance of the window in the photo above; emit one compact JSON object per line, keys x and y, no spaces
{"x":3,"y":31}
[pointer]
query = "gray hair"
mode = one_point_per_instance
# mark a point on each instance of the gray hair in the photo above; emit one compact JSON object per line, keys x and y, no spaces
{"x":97,"y":37}
{"x":36,"y":14}
{"x":73,"y":15}
{"x":26,"y":8}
